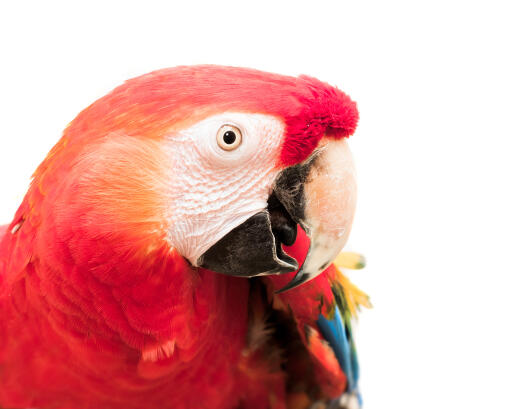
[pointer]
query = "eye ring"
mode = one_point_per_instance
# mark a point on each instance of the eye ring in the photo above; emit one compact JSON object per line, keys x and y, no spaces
{"x":228,"y":137}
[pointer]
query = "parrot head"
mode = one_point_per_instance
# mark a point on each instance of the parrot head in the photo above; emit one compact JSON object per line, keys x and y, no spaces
{"x":221,"y":164}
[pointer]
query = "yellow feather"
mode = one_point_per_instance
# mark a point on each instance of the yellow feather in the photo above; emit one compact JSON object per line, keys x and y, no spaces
{"x":355,"y":298}
{"x":350,"y":260}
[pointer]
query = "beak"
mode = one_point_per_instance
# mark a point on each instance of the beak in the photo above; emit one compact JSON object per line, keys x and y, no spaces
{"x":319,"y":195}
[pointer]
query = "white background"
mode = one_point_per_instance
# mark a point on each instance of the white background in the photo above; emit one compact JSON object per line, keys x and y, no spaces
{"x":432,"y":80}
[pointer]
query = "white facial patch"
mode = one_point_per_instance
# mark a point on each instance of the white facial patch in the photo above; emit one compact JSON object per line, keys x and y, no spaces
{"x":213,"y":190}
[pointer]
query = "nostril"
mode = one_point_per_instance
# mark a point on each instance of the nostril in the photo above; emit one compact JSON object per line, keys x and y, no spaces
{"x":282,"y":225}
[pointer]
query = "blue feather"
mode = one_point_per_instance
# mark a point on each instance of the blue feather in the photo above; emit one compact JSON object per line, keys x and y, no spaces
{"x":337,"y":333}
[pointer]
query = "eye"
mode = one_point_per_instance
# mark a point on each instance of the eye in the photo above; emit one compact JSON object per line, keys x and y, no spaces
{"x":228,"y":137}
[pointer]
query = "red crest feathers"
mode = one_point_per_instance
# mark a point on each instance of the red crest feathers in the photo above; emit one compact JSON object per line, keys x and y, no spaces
{"x":171,"y":98}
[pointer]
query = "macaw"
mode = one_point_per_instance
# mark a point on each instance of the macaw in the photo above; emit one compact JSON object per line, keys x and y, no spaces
{"x":176,"y":249}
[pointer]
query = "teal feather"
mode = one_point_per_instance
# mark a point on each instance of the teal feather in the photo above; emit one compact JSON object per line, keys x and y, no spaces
{"x":337,"y":331}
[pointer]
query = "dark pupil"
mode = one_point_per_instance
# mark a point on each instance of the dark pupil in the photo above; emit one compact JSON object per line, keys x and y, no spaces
{"x":229,"y":137}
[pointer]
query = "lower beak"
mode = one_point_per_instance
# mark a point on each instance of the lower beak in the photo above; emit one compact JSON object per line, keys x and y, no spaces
{"x":319,"y":195}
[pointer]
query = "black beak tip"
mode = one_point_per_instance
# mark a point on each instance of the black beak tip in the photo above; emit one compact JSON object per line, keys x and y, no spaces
{"x":300,"y":278}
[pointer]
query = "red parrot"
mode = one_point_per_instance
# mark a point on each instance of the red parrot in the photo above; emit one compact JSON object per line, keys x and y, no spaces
{"x":175,"y":248}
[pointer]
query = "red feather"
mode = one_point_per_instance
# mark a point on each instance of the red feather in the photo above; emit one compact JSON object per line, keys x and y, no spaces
{"x":172,"y":98}
{"x":97,"y":311}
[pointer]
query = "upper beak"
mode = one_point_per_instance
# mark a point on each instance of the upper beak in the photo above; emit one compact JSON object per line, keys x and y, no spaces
{"x":319,"y":195}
